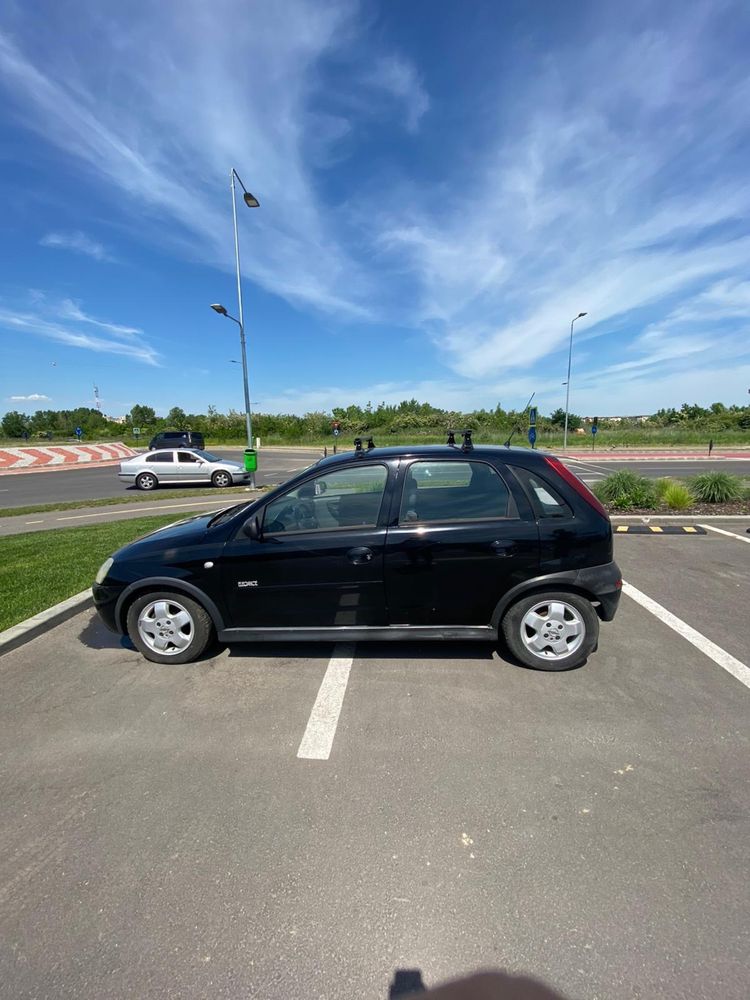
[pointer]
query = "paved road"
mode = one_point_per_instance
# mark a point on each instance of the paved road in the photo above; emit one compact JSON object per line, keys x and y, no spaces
{"x":161,"y":837}
{"x":592,"y":471}
{"x":275,"y":465}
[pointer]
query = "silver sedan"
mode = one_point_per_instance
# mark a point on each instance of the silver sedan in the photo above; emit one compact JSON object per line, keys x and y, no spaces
{"x":181,"y":465}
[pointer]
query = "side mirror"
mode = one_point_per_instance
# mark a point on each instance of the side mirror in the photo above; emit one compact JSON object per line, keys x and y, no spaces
{"x":251,"y":529}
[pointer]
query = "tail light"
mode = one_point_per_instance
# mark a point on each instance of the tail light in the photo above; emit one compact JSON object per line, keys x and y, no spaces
{"x":575,"y":483}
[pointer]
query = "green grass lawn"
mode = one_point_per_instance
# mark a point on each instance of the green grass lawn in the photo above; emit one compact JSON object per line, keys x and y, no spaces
{"x":42,"y":568}
{"x":236,"y":492}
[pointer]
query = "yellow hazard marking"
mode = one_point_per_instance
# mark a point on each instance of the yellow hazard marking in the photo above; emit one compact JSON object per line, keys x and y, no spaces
{"x":691,"y":530}
{"x":622,"y":527}
{"x":655,"y":527}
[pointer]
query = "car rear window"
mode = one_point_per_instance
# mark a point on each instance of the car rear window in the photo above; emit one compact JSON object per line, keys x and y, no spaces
{"x":545,"y":499}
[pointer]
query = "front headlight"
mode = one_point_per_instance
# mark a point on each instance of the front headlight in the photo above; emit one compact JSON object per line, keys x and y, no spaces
{"x":105,"y":567}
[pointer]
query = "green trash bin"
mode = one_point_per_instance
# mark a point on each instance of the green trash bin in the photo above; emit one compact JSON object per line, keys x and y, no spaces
{"x":251,"y":460}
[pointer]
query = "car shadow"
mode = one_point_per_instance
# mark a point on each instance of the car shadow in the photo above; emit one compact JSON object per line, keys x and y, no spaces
{"x":96,"y":635}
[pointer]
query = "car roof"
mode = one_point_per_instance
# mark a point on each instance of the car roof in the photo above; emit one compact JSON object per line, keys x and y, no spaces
{"x":435,"y":451}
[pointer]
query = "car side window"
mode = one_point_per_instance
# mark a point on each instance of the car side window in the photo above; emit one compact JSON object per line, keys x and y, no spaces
{"x":454,"y":491}
{"x":161,"y":456}
{"x":185,"y":456}
{"x":545,"y":499}
{"x":346,"y":498}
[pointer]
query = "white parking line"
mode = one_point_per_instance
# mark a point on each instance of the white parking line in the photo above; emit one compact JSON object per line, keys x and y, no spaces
{"x":725,"y":660}
{"x":321,"y":726}
{"x":722,"y":531}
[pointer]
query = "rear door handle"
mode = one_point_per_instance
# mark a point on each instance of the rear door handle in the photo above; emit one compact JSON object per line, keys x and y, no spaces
{"x":501,"y":548}
{"x":359,"y":555}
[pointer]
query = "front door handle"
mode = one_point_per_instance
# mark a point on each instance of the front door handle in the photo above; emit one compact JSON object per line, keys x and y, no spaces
{"x":360,"y":555}
{"x":501,"y":548}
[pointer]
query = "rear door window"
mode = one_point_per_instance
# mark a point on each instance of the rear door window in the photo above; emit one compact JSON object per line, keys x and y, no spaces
{"x":161,"y":456}
{"x":454,"y":491}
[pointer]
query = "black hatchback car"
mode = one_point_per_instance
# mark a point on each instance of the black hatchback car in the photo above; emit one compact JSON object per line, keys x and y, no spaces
{"x":429,"y":542}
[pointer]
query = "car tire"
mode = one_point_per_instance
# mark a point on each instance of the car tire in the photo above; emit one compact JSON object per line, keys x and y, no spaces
{"x":221,"y":479}
{"x":146,"y":481}
{"x":178,"y":624}
{"x":538,"y":628}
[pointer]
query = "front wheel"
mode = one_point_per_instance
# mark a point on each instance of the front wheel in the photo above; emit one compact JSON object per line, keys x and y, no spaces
{"x":168,"y":627}
{"x":221,"y":479}
{"x":551,"y":631}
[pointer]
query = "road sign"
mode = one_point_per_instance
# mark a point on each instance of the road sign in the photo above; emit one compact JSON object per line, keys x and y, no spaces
{"x":336,"y":432}
{"x":79,"y":432}
{"x":532,"y":436}
{"x":594,"y":428}
{"x":532,"y":416}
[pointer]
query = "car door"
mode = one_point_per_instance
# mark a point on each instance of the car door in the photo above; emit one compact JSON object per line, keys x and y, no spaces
{"x":190,"y":468}
{"x":461,"y":535}
{"x":319,"y":561}
{"x":163,"y":465}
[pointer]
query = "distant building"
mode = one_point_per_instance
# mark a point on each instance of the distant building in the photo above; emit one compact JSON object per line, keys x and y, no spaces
{"x":118,"y":420}
{"x":640,"y":418}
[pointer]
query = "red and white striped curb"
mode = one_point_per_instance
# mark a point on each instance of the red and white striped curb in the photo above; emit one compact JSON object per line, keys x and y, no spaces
{"x":33,"y":459}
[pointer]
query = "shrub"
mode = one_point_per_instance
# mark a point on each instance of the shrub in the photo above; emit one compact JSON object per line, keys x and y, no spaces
{"x":677,"y":496}
{"x":661,"y":486}
{"x":624,"y":490}
{"x":717,"y":487}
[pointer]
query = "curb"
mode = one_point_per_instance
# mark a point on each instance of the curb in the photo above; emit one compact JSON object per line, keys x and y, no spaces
{"x":22,"y":633}
{"x":679,"y":517}
{"x":30,"y":471}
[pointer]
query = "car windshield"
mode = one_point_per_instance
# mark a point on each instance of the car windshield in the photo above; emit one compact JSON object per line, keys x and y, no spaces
{"x":208,"y":457}
{"x":228,"y":513}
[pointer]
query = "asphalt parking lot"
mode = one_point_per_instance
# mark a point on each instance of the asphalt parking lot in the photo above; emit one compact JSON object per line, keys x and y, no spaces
{"x":162,"y":836}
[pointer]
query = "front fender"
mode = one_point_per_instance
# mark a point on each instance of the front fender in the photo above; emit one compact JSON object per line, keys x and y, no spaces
{"x":164,"y":583}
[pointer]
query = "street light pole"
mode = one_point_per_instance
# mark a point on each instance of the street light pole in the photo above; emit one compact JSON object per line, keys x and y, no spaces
{"x":567,"y":384}
{"x":248,"y":417}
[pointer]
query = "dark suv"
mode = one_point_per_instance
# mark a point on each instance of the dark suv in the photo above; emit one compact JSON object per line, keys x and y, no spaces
{"x":177,"y":439}
{"x":429,"y":542}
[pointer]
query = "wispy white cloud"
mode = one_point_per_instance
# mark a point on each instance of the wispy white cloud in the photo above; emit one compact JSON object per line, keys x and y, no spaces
{"x":399,"y":78}
{"x":56,"y":321}
{"x":31,"y":398}
{"x":78,"y":242}
{"x":71,"y":310}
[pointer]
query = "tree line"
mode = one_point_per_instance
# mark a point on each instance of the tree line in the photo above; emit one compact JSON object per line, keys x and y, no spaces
{"x":409,"y":417}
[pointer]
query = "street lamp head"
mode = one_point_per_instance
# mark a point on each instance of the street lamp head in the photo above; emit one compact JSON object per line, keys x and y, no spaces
{"x":580,"y":315}
{"x":250,"y":200}
{"x":217,"y":307}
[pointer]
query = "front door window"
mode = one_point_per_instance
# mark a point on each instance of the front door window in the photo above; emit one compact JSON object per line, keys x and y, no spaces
{"x":345,"y":499}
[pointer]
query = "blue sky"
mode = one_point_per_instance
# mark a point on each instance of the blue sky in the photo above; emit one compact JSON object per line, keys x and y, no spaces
{"x":443,"y":186}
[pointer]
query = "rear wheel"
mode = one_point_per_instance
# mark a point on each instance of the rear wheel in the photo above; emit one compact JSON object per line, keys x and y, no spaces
{"x":221,"y":479}
{"x":147,"y":481}
{"x":551,"y":631}
{"x":169,"y":628}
